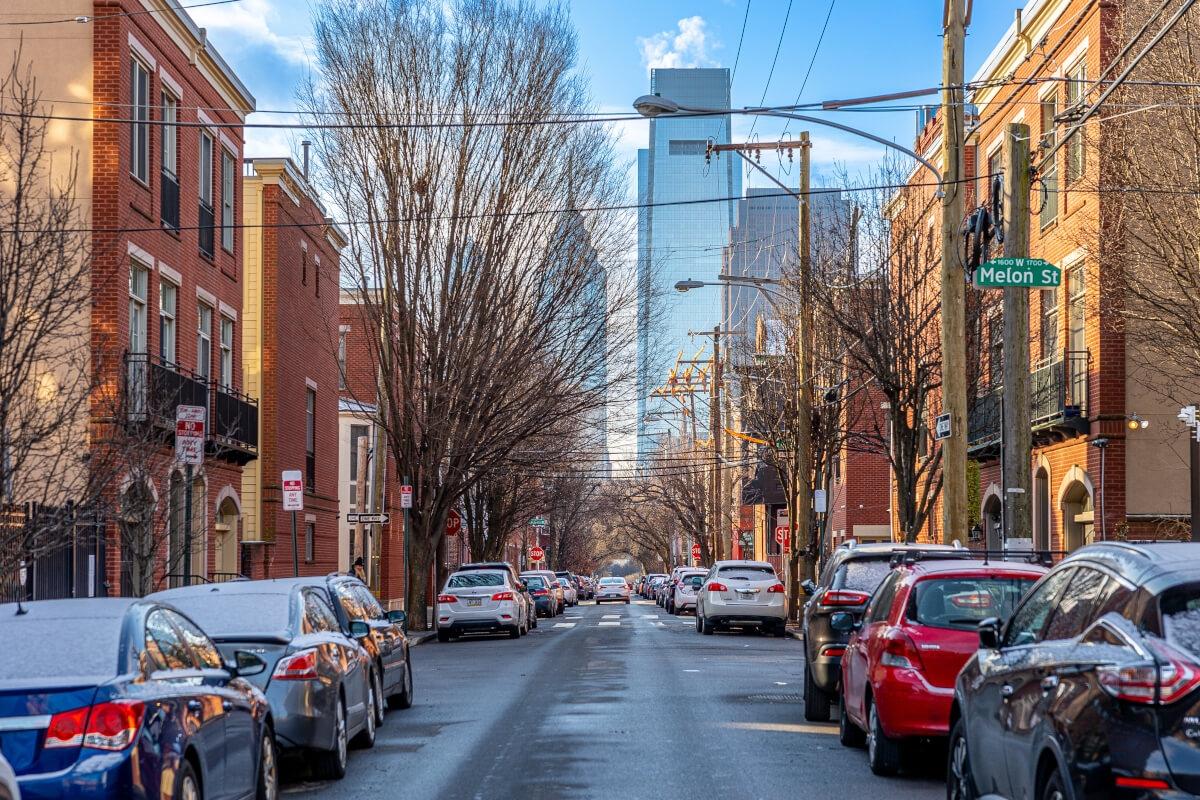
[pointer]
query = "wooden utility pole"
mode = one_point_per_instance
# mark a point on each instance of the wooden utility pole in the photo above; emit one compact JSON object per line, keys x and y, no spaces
{"x":1018,"y":522}
{"x":954,"y":337}
{"x":714,"y":416}
{"x":802,"y":523}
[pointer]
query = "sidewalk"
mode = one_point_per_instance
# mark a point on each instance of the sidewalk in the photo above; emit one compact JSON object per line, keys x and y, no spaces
{"x":420,"y":637}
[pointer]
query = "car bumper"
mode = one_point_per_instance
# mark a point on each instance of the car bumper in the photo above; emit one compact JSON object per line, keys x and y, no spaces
{"x":826,"y":672}
{"x":745,"y":613}
{"x":493,"y":625}
{"x":545,"y":606}
{"x":685,"y":602}
{"x":910,"y":706}
{"x":614,"y":598}
{"x":94,"y":777}
{"x":303,"y":713}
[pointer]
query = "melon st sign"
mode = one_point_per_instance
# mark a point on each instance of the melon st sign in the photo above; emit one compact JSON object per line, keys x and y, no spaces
{"x":1022,"y":273}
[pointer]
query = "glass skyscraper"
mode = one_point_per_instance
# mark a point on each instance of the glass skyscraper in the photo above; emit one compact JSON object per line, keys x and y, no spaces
{"x":677,"y":242}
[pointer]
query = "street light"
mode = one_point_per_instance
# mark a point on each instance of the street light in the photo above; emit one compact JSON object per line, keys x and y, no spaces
{"x":689,"y":284}
{"x":651,"y":106}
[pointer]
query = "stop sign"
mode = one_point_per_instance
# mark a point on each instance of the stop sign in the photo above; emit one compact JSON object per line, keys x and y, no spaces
{"x":453,"y":523}
{"x":696,"y":551}
{"x":537,"y":553}
{"x":781,"y":534}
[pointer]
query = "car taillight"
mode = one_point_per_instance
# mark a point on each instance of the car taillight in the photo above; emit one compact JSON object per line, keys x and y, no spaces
{"x":833,"y":650}
{"x":105,"y":726}
{"x":502,"y":596}
{"x":842,"y":597}
{"x":717,"y":587}
{"x":300,"y":666}
{"x":540,"y":593}
{"x":776,"y":589}
{"x":899,"y":651}
{"x":1147,"y":683}
{"x":1141,"y":783}
{"x":447,"y":598}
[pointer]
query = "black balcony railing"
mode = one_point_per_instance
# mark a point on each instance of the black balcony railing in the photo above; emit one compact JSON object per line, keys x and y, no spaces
{"x":1058,"y":404}
{"x":170,"y":200}
{"x":310,"y":472}
{"x":234,"y":423}
{"x":207,"y":229}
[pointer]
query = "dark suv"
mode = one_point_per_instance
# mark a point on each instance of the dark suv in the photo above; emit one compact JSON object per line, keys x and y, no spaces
{"x":848,"y":580}
{"x":1092,"y":687}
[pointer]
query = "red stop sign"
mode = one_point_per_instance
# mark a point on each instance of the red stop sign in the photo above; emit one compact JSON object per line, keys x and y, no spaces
{"x":453,"y":523}
{"x":537,"y":553}
{"x":696,"y":551}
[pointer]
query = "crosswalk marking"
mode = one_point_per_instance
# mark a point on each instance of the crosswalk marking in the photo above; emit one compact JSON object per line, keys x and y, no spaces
{"x":612,"y":624}
{"x":564,"y":624}
{"x":651,"y":616}
{"x":612,"y":616}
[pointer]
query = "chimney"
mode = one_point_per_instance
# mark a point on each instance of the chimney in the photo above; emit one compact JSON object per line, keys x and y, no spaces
{"x":305,"y":145}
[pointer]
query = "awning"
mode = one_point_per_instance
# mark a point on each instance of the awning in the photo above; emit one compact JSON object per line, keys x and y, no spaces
{"x":764,"y":489}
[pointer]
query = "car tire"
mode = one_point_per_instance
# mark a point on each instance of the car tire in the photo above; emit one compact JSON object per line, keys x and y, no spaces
{"x":534,"y":621}
{"x":514,"y":632}
{"x":816,"y":701}
{"x":707,"y":628}
{"x":443,"y":636}
{"x":404,"y":698}
{"x":626,"y":601}
{"x":380,"y":698}
{"x":780,"y":631}
{"x":883,"y":754}
{"x":365,"y":739}
{"x":268,"y":769}
{"x":187,"y":785}
{"x":332,"y":763}
{"x":960,"y":782}
{"x":1056,"y":787}
{"x":849,"y":734}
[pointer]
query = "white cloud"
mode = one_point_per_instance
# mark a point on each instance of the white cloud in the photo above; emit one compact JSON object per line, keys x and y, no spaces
{"x":255,"y":22}
{"x":687,"y":46}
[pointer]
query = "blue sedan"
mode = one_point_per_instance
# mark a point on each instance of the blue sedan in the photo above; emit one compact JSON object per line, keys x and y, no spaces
{"x":121,"y":698}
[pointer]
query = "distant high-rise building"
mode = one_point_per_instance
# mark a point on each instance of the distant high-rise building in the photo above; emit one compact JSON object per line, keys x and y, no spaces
{"x":677,"y":242}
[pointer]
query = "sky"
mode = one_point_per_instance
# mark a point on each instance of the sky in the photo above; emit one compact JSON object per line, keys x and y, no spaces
{"x":869,"y":47}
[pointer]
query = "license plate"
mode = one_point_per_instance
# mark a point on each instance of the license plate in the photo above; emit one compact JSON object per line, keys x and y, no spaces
{"x":745,"y":593}
{"x":475,"y":601}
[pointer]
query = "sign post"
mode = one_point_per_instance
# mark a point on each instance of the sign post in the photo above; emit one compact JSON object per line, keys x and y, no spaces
{"x":293,"y":501}
{"x":189,"y":448}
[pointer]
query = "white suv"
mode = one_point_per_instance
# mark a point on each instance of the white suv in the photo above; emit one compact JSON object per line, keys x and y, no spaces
{"x":481,"y":601}
{"x":741,"y":594}
{"x":684,"y":593}
{"x":612,"y":590}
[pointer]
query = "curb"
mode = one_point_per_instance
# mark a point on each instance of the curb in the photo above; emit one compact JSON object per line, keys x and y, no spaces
{"x":420,"y":637}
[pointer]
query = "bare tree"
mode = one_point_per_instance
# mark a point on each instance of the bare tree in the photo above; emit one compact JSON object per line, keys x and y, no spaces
{"x":474,"y":263}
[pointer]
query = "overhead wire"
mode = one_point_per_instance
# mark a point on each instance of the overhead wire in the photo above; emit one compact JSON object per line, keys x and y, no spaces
{"x":771,"y":74}
{"x":813,"y":60}
{"x":741,"y":37}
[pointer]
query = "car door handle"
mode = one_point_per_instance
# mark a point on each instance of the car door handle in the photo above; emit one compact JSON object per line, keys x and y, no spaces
{"x":1006,"y":691}
{"x":1049,"y":683}
{"x":195,"y":706}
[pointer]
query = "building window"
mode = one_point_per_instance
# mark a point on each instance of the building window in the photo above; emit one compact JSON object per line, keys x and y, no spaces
{"x":1049,"y":176}
{"x":169,"y":200}
{"x":226,"y":352}
{"x":1076,"y":157}
{"x":310,"y":440}
{"x":227,"y":196}
{"x":139,"y":279}
{"x":304,"y":267}
{"x":687,"y":147}
{"x":317,"y":275}
{"x":139,"y":131}
{"x":168,"y":296}
{"x":996,"y":349}
{"x":310,"y":536}
{"x":204,"y":341}
{"x":1049,"y":323}
{"x":356,"y":432}
{"x":206,"y":189}
{"x":341,"y":357}
{"x":1077,"y":332}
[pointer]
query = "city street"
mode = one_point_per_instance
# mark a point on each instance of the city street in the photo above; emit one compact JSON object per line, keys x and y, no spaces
{"x":611,"y":701}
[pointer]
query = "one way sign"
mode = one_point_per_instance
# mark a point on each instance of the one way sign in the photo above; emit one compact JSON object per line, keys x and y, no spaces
{"x":367,"y":519}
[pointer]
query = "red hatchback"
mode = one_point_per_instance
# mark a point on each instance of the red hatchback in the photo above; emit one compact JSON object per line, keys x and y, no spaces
{"x":918,"y":631}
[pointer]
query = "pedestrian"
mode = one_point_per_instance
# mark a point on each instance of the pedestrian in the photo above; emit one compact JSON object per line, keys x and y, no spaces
{"x":360,"y":571}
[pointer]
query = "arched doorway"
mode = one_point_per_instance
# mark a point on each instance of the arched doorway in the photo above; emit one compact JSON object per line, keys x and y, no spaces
{"x":226,"y":534}
{"x":993,"y":524}
{"x":1041,"y":509}
{"x":199,"y":553}
{"x":1075,"y":499}
{"x":136,"y":521}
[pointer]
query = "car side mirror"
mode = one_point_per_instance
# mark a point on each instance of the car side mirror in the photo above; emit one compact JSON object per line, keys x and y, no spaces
{"x":398,"y":617}
{"x":246,"y":664}
{"x":809,"y":587}
{"x":989,"y":634}
{"x":843,"y":622}
{"x":359,"y":629}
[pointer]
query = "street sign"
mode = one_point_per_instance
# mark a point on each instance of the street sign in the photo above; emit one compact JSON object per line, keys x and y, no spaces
{"x":368,"y":519}
{"x":696,"y":551}
{"x":537,"y":553}
{"x":781,"y":534}
{"x":293,"y":490}
{"x":406,"y":496}
{"x":941,"y":427}
{"x":538,"y":522}
{"x":453,"y":523}
{"x":819,"y":501}
{"x":1027,"y":273}
{"x":189,"y":434}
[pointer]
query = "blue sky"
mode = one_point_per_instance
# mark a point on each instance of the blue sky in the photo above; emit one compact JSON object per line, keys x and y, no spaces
{"x":870,"y":47}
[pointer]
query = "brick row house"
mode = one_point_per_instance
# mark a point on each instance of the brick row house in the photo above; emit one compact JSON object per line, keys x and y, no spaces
{"x":1094,"y":474}
{"x":290,"y":348}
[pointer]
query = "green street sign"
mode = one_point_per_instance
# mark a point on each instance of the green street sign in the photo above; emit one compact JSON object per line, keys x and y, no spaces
{"x":1025,"y":273}
{"x":538,"y":522}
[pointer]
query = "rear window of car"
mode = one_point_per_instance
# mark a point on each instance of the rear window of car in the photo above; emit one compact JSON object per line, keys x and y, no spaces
{"x":535,"y":582}
{"x":612,"y":581}
{"x":693,"y":580}
{"x":227,"y":615}
{"x":962,"y":602}
{"x":467,"y":580}
{"x":747,"y":573}
{"x":862,"y":574}
{"x":1180,"y":610}
{"x":84,"y":647}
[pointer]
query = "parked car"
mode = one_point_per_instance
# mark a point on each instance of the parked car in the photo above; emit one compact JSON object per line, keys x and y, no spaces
{"x":920,"y":627}
{"x":543,"y":596}
{"x":741,"y":594}
{"x":386,"y":642}
{"x":525,"y":598}
{"x":847,"y":581}
{"x":1091,"y":689}
{"x":552,"y":581}
{"x":652,"y":584}
{"x":8,"y":781}
{"x":322,"y":685}
{"x":668,"y":600}
{"x":480,"y":601}
{"x":125,"y":697}
{"x":570,"y":594}
{"x":685,"y":591}
{"x":589,"y":588}
{"x":611,"y":590}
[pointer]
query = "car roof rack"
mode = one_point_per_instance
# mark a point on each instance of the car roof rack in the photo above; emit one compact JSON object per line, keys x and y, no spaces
{"x":909,"y":557}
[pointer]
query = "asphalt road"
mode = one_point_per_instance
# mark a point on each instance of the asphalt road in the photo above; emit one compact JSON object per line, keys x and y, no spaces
{"x":613,"y":701}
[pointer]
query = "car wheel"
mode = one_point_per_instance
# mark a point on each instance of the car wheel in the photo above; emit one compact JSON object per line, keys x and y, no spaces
{"x":366,"y":737}
{"x":333,"y":762}
{"x":443,"y":636}
{"x":404,"y":698}
{"x":781,"y":630}
{"x":1056,"y":787}
{"x":960,"y":782}
{"x":187,"y":785}
{"x":534,"y":621}
{"x":698,"y":628}
{"x":514,"y":632}
{"x":883,"y":754}
{"x":849,"y":734}
{"x":379,"y":698}
{"x":268,"y":769}
{"x":816,"y":702}
{"x":706,"y":627}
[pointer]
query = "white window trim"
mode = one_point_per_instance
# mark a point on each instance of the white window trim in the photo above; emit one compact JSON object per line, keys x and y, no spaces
{"x":228,"y":144}
{"x":1078,"y":54}
{"x":1049,"y":88}
{"x":141,"y":255}
{"x":227,"y":310}
{"x":1073,"y":258}
{"x":304,"y":245}
{"x":204,"y":118}
{"x":171,"y":85}
{"x":343,"y":328}
{"x":143,"y":53}
{"x":172,"y":275}
{"x":310,"y":383}
{"x":206,"y":297}
{"x":310,"y":518}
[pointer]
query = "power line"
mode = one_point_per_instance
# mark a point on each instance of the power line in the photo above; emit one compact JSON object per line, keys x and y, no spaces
{"x":813,"y":60}
{"x":771,"y":74}
{"x":736,"y":58}
{"x":85,"y":18}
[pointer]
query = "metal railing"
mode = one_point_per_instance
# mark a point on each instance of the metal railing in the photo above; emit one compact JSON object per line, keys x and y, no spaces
{"x":1058,"y":393}
{"x":207,"y":229}
{"x":153,"y":390}
{"x":174,"y":579}
{"x":235,"y":419}
{"x":169,"y":200}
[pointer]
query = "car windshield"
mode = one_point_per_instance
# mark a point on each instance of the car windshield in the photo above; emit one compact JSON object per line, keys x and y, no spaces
{"x":862,"y":575}
{"x":228,"y":615}
{"x":83,"y":647}
{"x":747,"y":573}
{"x":564,"y":582}
{"x":694,"y":580}
{"x":468,"y":580}
{"x":1180,"y":609}
{"x":962,"y":602}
